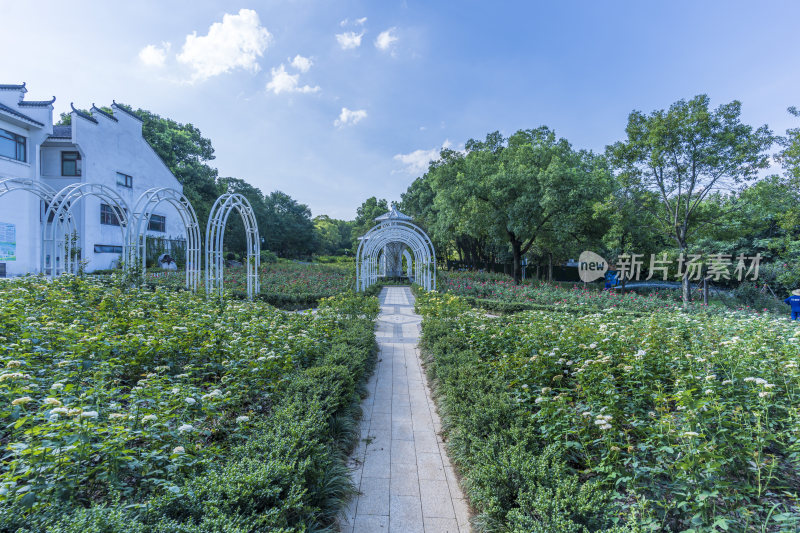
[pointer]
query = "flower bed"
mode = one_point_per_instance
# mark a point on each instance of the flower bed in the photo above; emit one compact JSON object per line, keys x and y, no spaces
{"x":284,"y":285}
{"x":668,"y":422}
{"x":498,"y":293}
{"x":155,"y":410}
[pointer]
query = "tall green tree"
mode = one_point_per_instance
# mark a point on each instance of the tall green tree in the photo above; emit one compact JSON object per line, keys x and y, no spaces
{"x":687,"y":152}
{"x":518,"y":189}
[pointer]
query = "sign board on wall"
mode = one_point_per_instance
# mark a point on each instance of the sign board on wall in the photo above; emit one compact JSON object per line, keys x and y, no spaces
{"x":8,"y":242}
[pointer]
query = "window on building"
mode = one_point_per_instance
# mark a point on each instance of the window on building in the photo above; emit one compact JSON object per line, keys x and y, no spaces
{"x":157,"y":223}
{"x":107,"y":249}
{"x":13,"y":146}
{"x":124,"y":180}
{"x":70,"y":164}
{"x":109,"y":215}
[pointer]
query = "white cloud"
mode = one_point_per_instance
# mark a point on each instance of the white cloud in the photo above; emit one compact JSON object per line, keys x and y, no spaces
{"x":417,"y":161}
{"x":349,"y":39}
{"x":357,"y":22}
{"x":236,"y":42}
{"x":350,"y":117}
{"x":154,"y":56}
{"x":302,"y":63}
{"x":386,"y":39}
{"x":283,"y":82}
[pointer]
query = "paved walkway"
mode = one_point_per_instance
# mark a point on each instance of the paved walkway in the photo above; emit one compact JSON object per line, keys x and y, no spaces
{"x":406,"y":481}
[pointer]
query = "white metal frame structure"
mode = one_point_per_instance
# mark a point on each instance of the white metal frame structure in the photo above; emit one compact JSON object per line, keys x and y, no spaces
{"x":145,"y":205}
{"x":42,"y":191}
{"x":389,"y":231}
{"x":61,"y":210}
{"x":215,"y":235}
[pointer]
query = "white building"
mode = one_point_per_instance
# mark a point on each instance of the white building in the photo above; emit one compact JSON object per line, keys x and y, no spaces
{"x":99,"y":147}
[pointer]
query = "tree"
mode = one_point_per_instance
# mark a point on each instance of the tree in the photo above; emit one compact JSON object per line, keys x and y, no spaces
{"x":288,"y":230}
{"x":519,"y":189}
{"x":685,"y":153}
{"x":366,"y":214}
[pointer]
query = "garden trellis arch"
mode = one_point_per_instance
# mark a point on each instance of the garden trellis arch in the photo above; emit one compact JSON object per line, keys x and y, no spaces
{"x":145,"y":205}
{"x":394,"y":229}
{"x":215,"y":235}
{"x":44,"y":192}
{"x":60,"y":209}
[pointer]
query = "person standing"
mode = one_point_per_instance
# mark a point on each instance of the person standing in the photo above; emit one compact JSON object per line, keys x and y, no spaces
{"x":794,"y":302}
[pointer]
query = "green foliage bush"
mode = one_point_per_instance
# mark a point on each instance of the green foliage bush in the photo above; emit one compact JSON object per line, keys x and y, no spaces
{"x":617,"y":422}
{"x":161,"y":411}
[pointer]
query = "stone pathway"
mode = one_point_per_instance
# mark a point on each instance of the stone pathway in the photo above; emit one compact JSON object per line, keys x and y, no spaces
{"x":400,"y":466}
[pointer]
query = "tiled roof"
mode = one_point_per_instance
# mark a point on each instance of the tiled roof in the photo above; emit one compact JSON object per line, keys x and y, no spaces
{"x":115,"y":105}
{"x":37,"y":103}
{"x":62,"y":132}
{"x":394,"y":214}
{"x":12,"y":87}
{"x":17,"y":114}
{"x":107,"y":115}
{"x":81,"y":114}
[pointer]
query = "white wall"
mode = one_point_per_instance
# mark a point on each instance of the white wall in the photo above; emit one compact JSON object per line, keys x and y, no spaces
{"x":106,"y":147}
{"x":109,"y":147}
{"x":22,"y":208}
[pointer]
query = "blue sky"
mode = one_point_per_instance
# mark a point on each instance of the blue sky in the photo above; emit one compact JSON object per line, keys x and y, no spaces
{"x":357,"y":117}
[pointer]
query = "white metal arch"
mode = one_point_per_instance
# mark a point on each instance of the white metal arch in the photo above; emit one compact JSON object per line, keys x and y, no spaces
{"x":42,"y":191}
{"x":145,"y":205}
{"x":215,"y":234}
{"x":61,"y":210}
{"x":395,"y":231}
{"x":409,"y":262}
{"x":374,"y":252}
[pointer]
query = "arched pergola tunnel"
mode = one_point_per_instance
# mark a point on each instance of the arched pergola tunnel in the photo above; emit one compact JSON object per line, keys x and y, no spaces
{"x":46,"y":194}
{"x":60,"y":210}
{"x":145,"y":206}
{"x":395,"y":228}
{"x":215,"y":235}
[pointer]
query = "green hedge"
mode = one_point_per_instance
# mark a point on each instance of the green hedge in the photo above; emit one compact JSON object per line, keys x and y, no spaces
{"x":289,"y":474}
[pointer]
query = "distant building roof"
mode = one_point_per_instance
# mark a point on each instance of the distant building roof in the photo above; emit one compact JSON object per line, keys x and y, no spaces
{"x":115,"y":105}
{"x":81,"y":114}
{"x":62,"y":132}
{"x":13,"y":87}
{"x":37,"y":103}
{"x":107,"y":115}
{"x":13,"y":112}
{"x":394,"y":214}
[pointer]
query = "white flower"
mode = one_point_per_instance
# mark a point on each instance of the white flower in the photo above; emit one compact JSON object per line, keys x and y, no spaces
{"x":709,"y":391}
{"x":749,"y":379}
{"x":191,"y":401}
{"x":13,"y":364}
{"x":22,"y":401}
{"x":764,"y":394}
{"x":178,"y":450}
{"x":51,"y":401}
{"x":586,"y":414}
{"x":545,"y":390}
{"x":593,"y":345}
{"x":727,"y":382}
{"x":540,"y":399}
{"x":241,"y":419}
{"x":690,"y":434}
{"x":89,"y":414}
{"x":53,"y":418}
{"x":175,"y":390}
{"x":186,"y":427}
{"x":148,"y":418}
{"x":59,"y":411}
{"x":117,"y":415}
{"x":711,"y":377}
